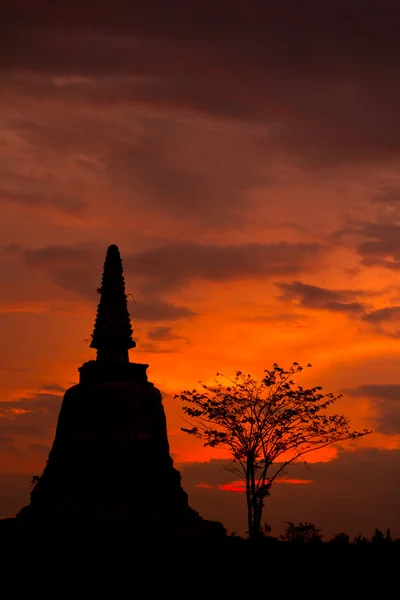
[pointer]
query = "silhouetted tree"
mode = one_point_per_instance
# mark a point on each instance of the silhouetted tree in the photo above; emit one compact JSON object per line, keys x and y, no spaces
{"x":378,"y":537}
{"x":302,"y":533}
{"x":360,"y":540}
{"x":267,"y":529}
{"x":261,"y":422}
{"x":341,"y":539}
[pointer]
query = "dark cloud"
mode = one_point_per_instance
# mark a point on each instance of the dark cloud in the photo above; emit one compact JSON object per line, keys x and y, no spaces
{"x":321,"y":75}
{"x":65,"y":204}
{"x":145,"y":161}
{"x":385,"y":401}
{"x":34,"y":416}
{"x":6,"y":440}
{"x":53,"y":387}
{"x":44,"y":448}
{"x":385,"y":320}
{"x":176,"y":263}
{"x":172,"y":265}
{"x":85,"y":134}
{"x":62,"y":255}
{"x":380,"y":245}
{"x":162,"y":334}
{"x":209,"y":184}
{"x":312,"y":296}
{"x":351,"y":302}
{"x":340,"y":496}
{"x":78,"y":269}
{"x":381,"y":315}
{"x":387,"y":209}
{"x":75,"y":268}
{"x":385,"y":391}
{"x":387,"y":197}
{"x":153,"y":310}
{"x":281,"y":320}
{"x":377,"y":241}
{"x":154,"y":348}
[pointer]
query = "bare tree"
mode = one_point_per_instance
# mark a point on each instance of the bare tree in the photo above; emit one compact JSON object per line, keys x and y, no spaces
{"x":266,"y":425}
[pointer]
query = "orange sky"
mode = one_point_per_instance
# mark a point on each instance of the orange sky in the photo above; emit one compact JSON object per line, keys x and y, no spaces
{"x":246,"y":163}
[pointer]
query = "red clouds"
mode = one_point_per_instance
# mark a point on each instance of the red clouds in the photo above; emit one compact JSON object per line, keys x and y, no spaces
{"x":243,"y":156}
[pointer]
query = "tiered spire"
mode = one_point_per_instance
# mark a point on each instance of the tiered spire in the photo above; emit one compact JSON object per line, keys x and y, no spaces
{"x":112,"y":334}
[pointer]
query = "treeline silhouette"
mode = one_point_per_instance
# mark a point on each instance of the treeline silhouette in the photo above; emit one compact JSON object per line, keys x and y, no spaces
{"x":309,"y":533}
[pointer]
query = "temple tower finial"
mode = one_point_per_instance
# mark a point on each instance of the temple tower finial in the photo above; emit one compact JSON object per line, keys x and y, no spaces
{"x":112,"y":334}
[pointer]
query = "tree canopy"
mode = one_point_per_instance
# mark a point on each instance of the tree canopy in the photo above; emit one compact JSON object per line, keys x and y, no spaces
{"x":265,"y":424}
{"x":302,"y":533}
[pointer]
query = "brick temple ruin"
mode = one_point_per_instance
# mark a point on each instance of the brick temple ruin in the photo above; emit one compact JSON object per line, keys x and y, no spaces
{"x":110,"y":462}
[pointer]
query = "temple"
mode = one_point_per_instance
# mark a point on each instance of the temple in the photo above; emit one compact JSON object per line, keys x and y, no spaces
{"x":110,"y":462}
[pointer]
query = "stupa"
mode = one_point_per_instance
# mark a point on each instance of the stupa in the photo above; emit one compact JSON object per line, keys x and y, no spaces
{"x":110,"y":462}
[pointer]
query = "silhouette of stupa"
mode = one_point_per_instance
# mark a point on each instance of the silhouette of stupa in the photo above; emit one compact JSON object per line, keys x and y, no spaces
{"x":110,"y":462}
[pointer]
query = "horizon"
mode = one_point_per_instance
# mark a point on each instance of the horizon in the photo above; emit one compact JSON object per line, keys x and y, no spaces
{"x":245,"y":160}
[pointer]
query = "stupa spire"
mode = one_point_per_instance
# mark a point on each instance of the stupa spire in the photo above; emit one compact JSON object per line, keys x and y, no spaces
{"x":112,"y":334}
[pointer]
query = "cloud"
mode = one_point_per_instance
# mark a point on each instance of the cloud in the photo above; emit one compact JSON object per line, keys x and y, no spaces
{"x":377,"y":241}
{"x":386,"y":320}
{"x":381,"y":315}
{"x":211,"y":184}
{"x":75,"y":268}
{"x":282,"y":320}
{"x":312,"y":296}
{"x":53,"y":387}
{"x":6,"y":440}
{"x":269,"y":63}
{"x":43,"y":448}
{"x":340,"y":497}
{"x":78,"y":269}
{"x":385,"y":391}
{"x":144,"y":161}
{"x":162,"y":334}
{"x":385,"y":401}
{"x":174,"y":264}
{"x":58,"y":255}
{"x":153,"y":310}
{"x":33,"y":416}
{"x":154,"y":348}
{"x":65,"y":204}
{"x":387,"y":204}
{"x":381,"y":245}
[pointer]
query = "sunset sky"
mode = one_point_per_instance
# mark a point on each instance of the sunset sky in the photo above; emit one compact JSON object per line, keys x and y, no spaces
{"x":245,"y":157}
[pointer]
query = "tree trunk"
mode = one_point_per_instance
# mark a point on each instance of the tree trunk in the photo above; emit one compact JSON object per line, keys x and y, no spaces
{"x":249,"y":509}
{"x":249,"y":499}
{"x":253,"y":500}
{"x":257,"y":515}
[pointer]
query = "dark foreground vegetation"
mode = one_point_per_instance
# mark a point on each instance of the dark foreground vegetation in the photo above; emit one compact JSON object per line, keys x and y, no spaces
{"x":132,"y":564}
